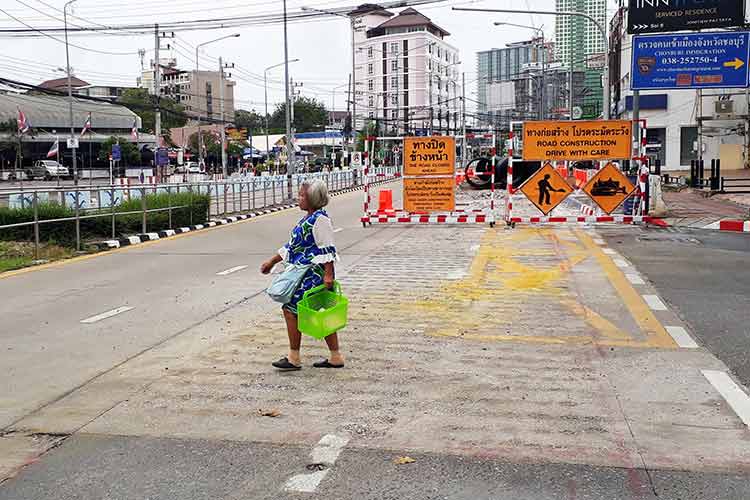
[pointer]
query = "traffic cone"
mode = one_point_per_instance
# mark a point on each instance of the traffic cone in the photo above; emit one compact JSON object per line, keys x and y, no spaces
{"x":385,"y":201}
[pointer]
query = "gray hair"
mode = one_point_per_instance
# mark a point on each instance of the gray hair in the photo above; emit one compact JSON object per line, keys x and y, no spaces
{"x":317,"y":193}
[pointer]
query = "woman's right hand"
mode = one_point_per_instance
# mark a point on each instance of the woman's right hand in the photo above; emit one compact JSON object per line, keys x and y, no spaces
{"x":266,"y":267}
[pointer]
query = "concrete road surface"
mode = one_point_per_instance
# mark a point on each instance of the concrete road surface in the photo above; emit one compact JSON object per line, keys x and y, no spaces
{"x":531,"y":363}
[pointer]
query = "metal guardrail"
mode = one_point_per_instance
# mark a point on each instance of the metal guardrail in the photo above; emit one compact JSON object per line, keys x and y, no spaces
{"x":229,"y":196}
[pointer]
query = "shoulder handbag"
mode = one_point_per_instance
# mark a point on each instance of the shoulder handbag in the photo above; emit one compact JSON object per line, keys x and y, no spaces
{"x":286,"y":283}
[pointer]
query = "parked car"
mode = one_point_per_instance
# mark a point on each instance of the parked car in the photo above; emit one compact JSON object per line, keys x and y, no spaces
{"x":48,"y":169}
{"x":193,"y":168}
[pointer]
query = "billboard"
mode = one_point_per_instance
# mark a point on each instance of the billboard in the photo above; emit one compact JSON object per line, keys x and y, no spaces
{"x":690,"y":61}
{"x":664,"y":16}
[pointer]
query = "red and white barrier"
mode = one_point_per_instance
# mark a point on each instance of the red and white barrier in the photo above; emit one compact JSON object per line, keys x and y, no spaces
{"x":620,"y":219}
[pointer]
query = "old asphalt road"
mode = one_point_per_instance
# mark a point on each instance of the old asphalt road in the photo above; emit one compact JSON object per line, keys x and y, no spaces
{"x":705,"y":276}
{"x":508,"y":364}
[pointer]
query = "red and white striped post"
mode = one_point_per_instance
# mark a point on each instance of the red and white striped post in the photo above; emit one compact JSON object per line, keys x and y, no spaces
{"x":509,"y":181}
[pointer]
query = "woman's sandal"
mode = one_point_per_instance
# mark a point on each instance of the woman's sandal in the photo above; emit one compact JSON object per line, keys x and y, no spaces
{"x":326,"y":364}
{"x":285,"y":365}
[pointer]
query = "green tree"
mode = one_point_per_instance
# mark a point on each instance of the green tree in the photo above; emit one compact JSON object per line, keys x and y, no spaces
{"x":140,"y":102}
{"x":128,"y":150}
{"x":309,"y":115}
{"x":252,"y":121}
{"x":211,"y":143}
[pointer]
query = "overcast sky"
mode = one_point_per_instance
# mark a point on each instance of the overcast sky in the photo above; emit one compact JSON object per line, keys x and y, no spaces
{"x":323,"y":46}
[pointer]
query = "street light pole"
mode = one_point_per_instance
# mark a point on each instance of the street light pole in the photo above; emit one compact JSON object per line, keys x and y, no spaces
{"x":70,"y":93}
{"x":72,"y":133}
{"x":265,"y":92}
{"x":542,"y":87}
{"x":602,"y":31}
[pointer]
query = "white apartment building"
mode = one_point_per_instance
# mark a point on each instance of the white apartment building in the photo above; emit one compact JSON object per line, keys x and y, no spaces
{"x":406,"y":74}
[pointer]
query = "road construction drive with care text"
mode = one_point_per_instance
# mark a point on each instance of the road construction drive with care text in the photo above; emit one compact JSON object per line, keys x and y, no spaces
{"x":481,"y":363}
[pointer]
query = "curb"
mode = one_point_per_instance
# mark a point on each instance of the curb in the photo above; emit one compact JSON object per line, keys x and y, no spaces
{"x":736,"y":226}
{"x":142,"y":238}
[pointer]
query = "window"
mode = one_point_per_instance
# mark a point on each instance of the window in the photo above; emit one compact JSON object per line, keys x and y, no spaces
{"x":369,"y":52}
{"x":394,"y":81}
{"x":439,"y":53}
{"x":394,"y":65}
{"x":369,"y":69}
{"x":394,"y":47}
{"x":371,"y":114}
{"x":370,"y":85}
{"x":688,"y":142}
{"x":429,"y":48}
{"x":429,"y":64}
{"x":394,"y":114}
{"x":394,"y":99}
{"x":371,"y":100}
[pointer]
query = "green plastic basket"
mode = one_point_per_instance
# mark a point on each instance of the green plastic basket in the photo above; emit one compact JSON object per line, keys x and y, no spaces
{"x":322,"y":312}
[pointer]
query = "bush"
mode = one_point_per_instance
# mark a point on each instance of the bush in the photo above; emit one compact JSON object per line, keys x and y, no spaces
{"x":60,"y":232}
{"x":101,"y":227}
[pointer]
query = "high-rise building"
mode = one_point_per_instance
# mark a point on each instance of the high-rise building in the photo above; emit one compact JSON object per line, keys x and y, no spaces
{"x":406,"y":76}
{"x":578,"y":42}
{"x":585,"y":37}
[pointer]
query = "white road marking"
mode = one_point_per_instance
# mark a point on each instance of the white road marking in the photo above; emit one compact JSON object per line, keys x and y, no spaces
{"x":609,"y":251}
{"x":326,"y":452}
{"x":231,"y":270}
{"x":620,"y":263}
{"x":635,"y":279}
{"x":338,"y":230}
{"x":105,"y":315}
{"x":731,"y":392}
{"x":654,"y":302}
{"x":599,"y":241}
{"x":681,"y":337}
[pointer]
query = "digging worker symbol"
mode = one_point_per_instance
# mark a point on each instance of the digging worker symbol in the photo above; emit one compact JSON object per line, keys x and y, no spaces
{"x":544,"y":189}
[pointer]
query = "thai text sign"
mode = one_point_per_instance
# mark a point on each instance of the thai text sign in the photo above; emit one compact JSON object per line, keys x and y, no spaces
{"x":429,"y":194}
{"x":577,"y":140}
{"x":690,"y":61}
{"x":429,"y":155}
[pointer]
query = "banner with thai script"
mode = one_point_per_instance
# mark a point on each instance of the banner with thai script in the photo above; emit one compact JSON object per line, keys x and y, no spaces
{"x":577,"y":140}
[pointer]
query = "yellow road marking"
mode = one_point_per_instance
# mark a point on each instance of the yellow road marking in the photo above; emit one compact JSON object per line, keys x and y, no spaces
{"x":642,"y":314}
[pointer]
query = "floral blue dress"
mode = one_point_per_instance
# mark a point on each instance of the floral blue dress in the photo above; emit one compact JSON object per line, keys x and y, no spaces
{"x":311,"y":243}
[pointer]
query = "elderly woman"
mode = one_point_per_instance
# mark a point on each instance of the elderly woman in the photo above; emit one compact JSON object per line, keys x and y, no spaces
{"x":311,"y":243}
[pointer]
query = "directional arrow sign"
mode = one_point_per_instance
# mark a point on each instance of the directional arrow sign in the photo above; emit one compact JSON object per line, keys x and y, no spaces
{"x":691,"y":60}
{"x":736,"y":64}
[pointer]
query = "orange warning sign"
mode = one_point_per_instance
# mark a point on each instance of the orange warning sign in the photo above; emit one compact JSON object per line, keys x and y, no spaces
{"x":577,"y":140}
{"x":546,"y":188}
{"x":429,"y":194}
{"x":609,"y":188}
{"x":429,"y":155}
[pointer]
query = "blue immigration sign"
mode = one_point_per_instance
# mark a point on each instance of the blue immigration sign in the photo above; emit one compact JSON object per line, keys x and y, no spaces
{"x":690,"y":61}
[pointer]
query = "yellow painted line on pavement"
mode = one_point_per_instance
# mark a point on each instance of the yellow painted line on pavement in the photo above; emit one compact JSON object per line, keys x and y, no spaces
{"x":58,"y":263}
{"x":656,"y":333}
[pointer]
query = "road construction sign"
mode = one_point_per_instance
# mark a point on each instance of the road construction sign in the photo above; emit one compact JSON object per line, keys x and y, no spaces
{"x":546,"y":188}
{"x":429,"y":155}
{"x":429,"y":194}
{"x":609,"y":188}
{"x":577,"y":140}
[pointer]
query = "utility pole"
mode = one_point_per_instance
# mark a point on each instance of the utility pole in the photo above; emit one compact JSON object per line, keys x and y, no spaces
{"x":571,"y":101}
{"x":222,"y":125}
{"x":463,"y":121}
{"x":157,"y":95}
{"x":289,"y":145}
{"x":72,"y":134}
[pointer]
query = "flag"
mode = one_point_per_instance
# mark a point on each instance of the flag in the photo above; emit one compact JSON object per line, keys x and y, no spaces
{"x":54,"y":150}
{"x":134,"y":130}
{"x":86,"y":126}
{"x":23,"y":123}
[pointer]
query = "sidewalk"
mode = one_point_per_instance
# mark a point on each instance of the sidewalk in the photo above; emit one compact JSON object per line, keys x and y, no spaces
{"x":526,"y":345}
{"x":689,"y":208}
